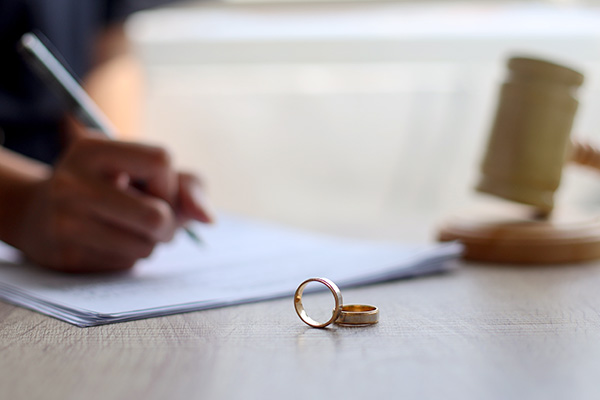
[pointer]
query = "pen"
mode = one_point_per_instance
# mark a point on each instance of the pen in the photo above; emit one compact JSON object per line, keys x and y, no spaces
{"x":56,"y":76}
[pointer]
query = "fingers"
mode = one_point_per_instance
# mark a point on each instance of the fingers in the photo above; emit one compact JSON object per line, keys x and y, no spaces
{"x":132,"y":211}
{"x":123,"y":207}
{"x":99,"y":236}
{"x":103,"y":176}
{"x":192,"y":203}
{"x":102,"y":158}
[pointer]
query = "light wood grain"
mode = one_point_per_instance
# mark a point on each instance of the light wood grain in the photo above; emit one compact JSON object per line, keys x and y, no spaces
{"x":481,"y":332}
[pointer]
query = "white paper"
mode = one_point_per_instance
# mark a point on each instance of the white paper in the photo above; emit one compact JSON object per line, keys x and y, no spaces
{"x":241,"y":261}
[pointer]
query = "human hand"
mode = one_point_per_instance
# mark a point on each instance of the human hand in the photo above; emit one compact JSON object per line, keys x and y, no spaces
{"x":89,"y":216}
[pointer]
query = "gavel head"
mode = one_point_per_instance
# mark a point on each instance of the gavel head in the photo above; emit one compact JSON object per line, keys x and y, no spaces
{"x":529,"y":140}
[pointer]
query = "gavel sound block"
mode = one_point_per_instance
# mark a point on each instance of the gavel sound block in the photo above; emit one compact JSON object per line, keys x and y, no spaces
{"x":527,"y":149}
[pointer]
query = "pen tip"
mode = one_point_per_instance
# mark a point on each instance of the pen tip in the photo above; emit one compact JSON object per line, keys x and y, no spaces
{"x":194,"y":236}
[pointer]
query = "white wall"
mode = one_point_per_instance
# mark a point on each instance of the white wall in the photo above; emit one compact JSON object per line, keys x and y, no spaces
{"x":348,"y":115}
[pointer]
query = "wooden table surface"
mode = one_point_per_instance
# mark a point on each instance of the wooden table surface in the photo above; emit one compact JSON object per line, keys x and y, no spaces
{"x":481,"y":332}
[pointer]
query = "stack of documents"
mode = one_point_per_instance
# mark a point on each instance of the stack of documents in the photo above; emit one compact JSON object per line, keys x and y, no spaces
{"x":241,"y":261}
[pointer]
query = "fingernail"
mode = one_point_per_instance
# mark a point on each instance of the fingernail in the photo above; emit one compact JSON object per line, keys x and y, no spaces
{"x":202,"y":203}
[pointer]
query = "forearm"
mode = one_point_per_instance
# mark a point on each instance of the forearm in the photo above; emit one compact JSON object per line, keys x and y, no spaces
{"x":18,"y":177}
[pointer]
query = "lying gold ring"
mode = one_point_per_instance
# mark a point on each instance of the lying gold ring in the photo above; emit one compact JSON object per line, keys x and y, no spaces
{"x":358,"y":314}
{"x":337,"y":295}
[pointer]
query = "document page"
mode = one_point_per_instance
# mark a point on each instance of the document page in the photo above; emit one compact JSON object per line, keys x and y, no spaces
{"x":241,"y":261}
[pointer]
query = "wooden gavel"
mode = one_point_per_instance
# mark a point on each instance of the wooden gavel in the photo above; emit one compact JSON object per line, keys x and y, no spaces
{"x":527,"y":149}
{"x":530,"y":137}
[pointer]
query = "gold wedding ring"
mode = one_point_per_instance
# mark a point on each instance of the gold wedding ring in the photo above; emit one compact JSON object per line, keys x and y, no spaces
{"x":346,"y":315}
{"x":358,"y":314}
{"x":337,"y":295}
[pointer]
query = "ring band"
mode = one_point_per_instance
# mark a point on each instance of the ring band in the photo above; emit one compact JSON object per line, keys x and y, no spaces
{"x":337,"y":295}
{"x":358,"y":314}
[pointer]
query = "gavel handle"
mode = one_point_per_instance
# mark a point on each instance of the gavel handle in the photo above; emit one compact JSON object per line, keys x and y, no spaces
{"x":585,"y":154}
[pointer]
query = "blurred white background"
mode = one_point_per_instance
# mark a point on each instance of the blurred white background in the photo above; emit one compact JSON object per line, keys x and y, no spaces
{"x":351,"y":115}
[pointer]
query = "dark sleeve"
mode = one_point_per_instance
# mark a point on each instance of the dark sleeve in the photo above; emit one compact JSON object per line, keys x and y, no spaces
{"x":118,"y":10}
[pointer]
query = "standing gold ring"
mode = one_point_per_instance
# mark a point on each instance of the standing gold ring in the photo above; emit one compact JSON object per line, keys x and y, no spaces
{"x":337,"y":295}
{"x":358,"y":314}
